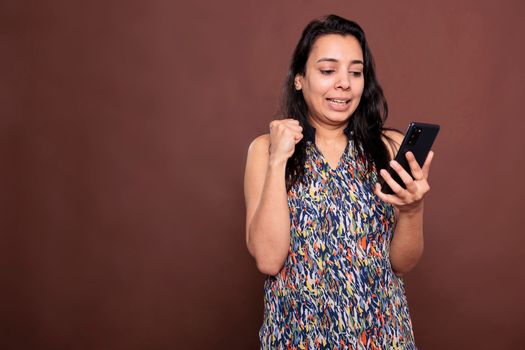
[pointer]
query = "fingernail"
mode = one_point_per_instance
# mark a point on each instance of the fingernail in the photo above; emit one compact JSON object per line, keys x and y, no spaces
{"x":393,"y":163}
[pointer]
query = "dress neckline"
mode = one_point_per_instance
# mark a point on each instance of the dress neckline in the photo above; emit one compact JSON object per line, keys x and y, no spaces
{"x":323,"y":159}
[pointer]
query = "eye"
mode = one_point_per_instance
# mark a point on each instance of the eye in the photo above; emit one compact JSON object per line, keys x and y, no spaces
{"x":327,"y":71}
{"x":356,"y":74}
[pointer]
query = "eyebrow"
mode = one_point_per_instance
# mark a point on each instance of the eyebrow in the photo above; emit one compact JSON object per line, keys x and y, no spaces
{"x":328,"y":59}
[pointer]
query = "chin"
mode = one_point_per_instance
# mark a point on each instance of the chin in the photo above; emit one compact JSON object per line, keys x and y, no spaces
{"x":339,"y":117}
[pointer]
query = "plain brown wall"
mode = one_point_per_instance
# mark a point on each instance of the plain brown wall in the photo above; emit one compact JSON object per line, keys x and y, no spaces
{"x":124,"y":130}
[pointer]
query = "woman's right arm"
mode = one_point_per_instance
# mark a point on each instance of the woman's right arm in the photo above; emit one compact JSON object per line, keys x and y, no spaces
{"x":267,"y":213}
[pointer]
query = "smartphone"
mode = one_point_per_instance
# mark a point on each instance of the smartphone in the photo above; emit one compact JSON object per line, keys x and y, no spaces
{"x":418,"y":140}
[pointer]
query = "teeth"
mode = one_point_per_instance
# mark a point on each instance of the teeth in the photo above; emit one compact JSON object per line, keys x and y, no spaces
{"x":338,"y":101}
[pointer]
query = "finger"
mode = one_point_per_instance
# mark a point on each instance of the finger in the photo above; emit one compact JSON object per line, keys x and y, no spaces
{"x":279,"y":127}
{"x":405,"y":176}
{"x":415,"y":169}
{"x":396,"y":188}
{"x":295,"y":128}
{"x":298,"y":137}
{"x":426,"y":165}
{"x":295,"y":135}
{"x":386,"y":197}
{"x":291,"y":121}
{"x":285,"y":123}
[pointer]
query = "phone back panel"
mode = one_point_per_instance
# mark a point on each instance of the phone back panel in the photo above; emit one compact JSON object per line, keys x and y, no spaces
{"x":419,"y":139}
{"x":421,"y":146}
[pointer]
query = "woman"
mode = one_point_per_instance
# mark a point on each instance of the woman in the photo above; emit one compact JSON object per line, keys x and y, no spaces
{"x":334,"y":246}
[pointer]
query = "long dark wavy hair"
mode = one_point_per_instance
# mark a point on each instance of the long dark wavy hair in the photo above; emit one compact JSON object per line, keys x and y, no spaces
{"x":365,"y":126}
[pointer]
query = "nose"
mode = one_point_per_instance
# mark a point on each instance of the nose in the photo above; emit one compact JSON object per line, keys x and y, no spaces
{"x":343,"y":82}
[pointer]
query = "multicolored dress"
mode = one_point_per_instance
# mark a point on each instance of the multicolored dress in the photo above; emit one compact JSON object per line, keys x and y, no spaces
{"x":337,"y":289}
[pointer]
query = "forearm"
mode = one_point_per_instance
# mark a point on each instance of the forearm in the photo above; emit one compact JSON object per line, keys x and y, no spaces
{"x":268,"y":236}
{"x":406,"y":247}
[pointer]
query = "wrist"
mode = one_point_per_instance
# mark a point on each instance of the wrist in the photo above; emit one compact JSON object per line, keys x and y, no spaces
{"x":277,"y":162}
{"x":412,"y":210}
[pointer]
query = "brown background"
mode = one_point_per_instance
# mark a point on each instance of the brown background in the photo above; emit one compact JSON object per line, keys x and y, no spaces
{"x":123,"y":137}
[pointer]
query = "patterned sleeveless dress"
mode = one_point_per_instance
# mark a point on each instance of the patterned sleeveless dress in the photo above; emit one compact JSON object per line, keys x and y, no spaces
{"x":337,"y":289}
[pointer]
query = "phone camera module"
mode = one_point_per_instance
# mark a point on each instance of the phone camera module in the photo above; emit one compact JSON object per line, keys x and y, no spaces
{"x":414,"y":136}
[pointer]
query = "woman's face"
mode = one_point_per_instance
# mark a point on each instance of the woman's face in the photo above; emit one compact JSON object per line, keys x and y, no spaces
{"x":333,"y":81}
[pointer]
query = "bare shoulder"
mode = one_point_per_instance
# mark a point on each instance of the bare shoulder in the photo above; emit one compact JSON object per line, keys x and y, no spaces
{"x":255,"y":172}
{"x":260,"y":145}
{"x":258,"y":156}
{"x":392,"y":140}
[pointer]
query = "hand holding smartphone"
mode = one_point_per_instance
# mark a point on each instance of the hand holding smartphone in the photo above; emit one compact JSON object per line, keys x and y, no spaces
{"x":418,"y":140}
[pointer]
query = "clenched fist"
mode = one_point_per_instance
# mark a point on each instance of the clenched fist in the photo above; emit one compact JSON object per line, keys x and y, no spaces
{"x":284,"y":135}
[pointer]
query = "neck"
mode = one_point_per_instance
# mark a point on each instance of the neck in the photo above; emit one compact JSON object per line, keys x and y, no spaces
{"x":328,"y":134}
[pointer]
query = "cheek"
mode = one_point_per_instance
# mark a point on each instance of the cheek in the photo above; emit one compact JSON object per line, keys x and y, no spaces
{"x":313,"y":93}
{"x":359,"y":87}
{"x":318,"y":87}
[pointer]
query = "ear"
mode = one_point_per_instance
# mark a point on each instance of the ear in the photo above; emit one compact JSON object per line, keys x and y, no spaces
{"x":298,"y":82}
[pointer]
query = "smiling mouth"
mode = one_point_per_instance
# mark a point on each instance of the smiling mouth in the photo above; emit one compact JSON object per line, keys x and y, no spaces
{"x":338,"y":101}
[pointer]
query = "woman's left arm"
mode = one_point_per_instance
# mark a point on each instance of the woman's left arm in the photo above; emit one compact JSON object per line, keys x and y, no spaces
{"x":406,"y":247}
